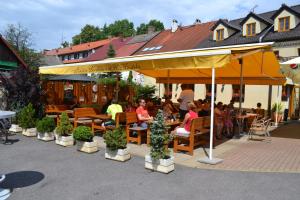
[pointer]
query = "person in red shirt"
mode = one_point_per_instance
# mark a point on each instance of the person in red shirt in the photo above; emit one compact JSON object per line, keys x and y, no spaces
{"x":142,"y":114}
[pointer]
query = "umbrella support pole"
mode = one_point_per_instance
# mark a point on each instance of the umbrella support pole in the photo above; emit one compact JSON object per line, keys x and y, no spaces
{"x":211,"y":160}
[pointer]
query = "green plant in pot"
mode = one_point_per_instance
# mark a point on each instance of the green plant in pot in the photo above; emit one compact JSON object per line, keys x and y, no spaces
{"x":64,"y":131}
{"x":159,"y":158}
{"x":116,"y":144}
{"x":84,"y":139}
{"x":27,"y":120}
{"x":277,"y":112}
{"x":45,"y":128}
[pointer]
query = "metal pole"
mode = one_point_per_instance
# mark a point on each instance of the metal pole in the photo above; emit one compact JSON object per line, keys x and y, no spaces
{"x":276,"y":114}
{"x":240,"y":99}
{"x":212,"y":113}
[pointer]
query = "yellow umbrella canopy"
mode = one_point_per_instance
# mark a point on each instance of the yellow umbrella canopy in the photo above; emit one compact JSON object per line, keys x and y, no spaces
{"x":260,"y":65}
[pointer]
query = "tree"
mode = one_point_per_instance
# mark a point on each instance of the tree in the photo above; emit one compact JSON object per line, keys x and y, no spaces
{"x":89,"y":33}
{"x":156,"y":24}
{"x":111,"y":51}
{"x":65,"y":44}
{"x":121,"y":28}
{"x":20,"y":39}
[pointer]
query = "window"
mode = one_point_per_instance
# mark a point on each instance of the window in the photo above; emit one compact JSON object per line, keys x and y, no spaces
{"x":251,"y":31}
{"x":220,"y":34}
{"x":69,"y":57}
{"x":76,"y":56}
{"x":284,"y":24}
{"x":85,"y":54}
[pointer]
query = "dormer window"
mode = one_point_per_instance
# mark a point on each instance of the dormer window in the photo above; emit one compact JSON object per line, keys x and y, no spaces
{"x":251,"y":29}
{"x":284,"y":24}
{"x":220,"y":34}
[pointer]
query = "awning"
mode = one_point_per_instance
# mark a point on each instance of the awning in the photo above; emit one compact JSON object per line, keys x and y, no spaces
{"x":77,"y":77}
{"x":260,"y":65}
{"x":291,"y":69}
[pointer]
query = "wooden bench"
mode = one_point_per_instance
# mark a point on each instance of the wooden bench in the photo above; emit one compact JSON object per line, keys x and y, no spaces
{"x":131,"y":118}
{"x":188,"y":142}
{"x":82,"y":116}
{"x":119,"y":120}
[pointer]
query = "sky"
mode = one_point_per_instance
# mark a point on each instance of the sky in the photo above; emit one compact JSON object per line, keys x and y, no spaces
{"x":50,"y":21}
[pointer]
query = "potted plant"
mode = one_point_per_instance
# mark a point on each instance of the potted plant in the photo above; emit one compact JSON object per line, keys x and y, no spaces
{"x":84,"y":139}
{"x":277,"y":112}
{"x":45,"y":128}
{"x":116,"y":145}
{"x":159,"y":158}
{"x":27,"y":121}
{"x":63,"y":132}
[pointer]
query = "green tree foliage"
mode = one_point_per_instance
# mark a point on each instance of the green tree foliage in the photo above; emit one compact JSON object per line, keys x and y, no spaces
{"x":156,"y":24}
{"x":89,"y":33}
{"x":145,"y":92}
{"x":111,"y":51}
{"x":65,"y":44}
{"x":20,"y":38}
{"x":159,"y":138}
{"x":65,"y":127}
{"x":115,"y":139}
{"x":27,"y":117}
{"x":130,"y":77}
{"x":83,"y":133}
{"x":121,"y":28}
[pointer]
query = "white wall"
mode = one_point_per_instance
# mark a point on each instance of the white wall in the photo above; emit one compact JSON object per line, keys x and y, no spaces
{"x":227,"y":32}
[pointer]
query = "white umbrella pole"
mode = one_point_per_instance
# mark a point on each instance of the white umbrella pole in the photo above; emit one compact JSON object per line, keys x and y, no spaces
{"x":276,"y":114}
{"x":210,"y":159}
{"x":212,"y":108}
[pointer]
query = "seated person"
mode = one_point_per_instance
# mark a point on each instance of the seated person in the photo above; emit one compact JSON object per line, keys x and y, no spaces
{"x":142,"y":114}
{"x":228,"y":124}
{"x":185,"y":127}
{"x":205,"y":109}
{"x":218,"y":121}
{"x":259,"y":110}
{"x":112,"y":110}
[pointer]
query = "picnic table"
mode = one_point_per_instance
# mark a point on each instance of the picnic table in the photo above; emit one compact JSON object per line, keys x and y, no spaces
{"x":5,"y":122}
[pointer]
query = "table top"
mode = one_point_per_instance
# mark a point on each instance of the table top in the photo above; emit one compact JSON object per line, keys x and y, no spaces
{"x":246,"y":116}
{"x":59,"y":111}
{"x":100,"y":116}
{"x":6,"y":114}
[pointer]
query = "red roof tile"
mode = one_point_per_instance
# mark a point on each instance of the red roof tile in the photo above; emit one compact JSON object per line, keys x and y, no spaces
{"x":186,"y":37}
{"x":78,"y":48}
{"x":101,"y":53}
{"x":129,"y":49}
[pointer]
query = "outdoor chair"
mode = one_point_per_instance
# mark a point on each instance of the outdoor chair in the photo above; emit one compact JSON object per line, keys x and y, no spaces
{"x":189,"y":141}
{"x":260,"y":127}
{"x":119,"y":121}
{"x":82,"y":116}
{"x":133,"y":132}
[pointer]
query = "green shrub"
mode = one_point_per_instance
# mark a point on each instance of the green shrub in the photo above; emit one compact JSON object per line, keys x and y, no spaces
{"x":26,"y":117}
{"x":45,"y":125}
{"x":159,"y":138}
{"x":65,"y":127}
{"x":277,"y":107}
{"x":83,"y":133}
{"x":115,"y":139}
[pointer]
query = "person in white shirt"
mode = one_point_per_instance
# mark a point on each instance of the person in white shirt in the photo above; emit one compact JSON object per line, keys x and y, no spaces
{"x":186,"y":96}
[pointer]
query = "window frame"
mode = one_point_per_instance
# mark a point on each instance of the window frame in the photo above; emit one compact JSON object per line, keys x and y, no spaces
{"x":250,"y":27}
{"x":218,"y":38}
{"x":285,"y":19}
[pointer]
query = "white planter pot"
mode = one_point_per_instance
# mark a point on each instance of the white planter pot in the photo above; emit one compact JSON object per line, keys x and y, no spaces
{"x":15,"y":128}
{"x":161,"y":165}
{"x":64,"y":140}
{"x":46,"y":136}
{"x":30,"y":132}
{"x":119,"y":155}
{"x":87,"y":147}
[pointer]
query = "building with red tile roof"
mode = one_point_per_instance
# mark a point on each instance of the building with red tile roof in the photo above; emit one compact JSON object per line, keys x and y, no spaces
{"x":77,"y":53}
{"x":178,"y":38}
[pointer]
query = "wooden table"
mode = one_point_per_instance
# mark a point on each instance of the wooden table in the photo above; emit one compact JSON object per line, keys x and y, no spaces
{"x":103,"y":117}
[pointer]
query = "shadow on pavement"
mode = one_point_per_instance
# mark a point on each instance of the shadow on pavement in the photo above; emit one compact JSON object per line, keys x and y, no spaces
{"x":21,"y":179}
{"x":289,"y":130}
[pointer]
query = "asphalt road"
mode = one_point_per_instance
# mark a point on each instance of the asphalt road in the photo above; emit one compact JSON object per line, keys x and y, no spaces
{"x":38,"y":170}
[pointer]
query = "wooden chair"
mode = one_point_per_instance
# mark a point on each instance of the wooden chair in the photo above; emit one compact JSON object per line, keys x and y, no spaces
{"x":119,"y":120}
{"x":206,"y":121}
{"x":131,"y":119}
{"x":82,"y":116}
{"x":191,"y":140}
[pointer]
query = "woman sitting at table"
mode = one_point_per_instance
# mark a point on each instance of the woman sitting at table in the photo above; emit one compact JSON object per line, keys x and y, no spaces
{"x":185,"y":127}
{"x":142,"y":114}
{"x":218,"y":121}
